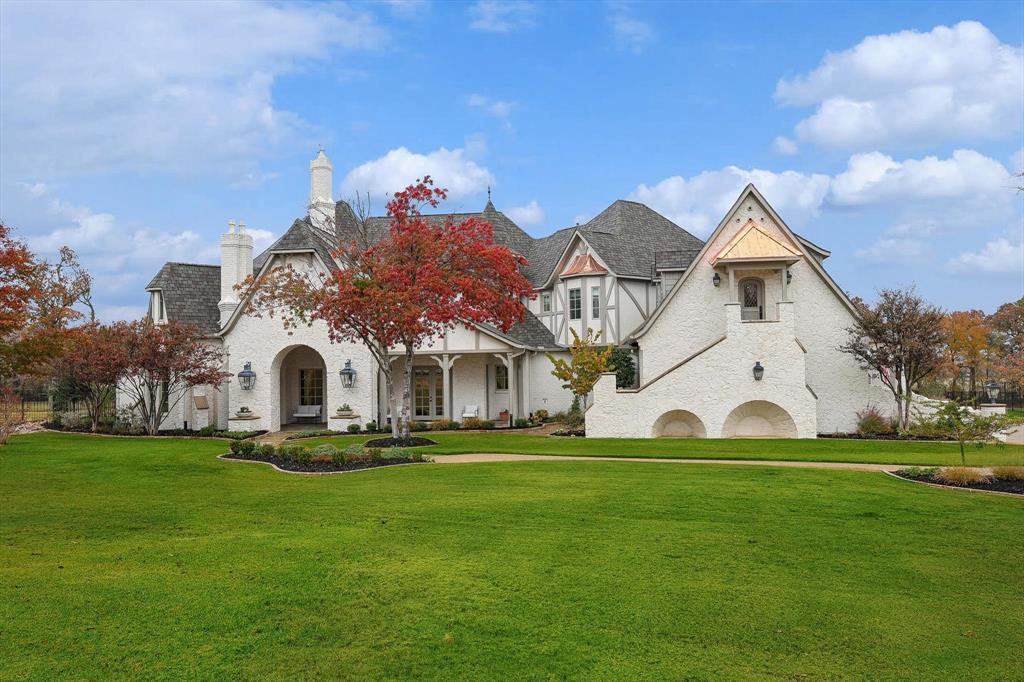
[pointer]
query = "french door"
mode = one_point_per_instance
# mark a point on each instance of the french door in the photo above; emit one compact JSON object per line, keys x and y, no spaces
{"x":751,"y":299}
{"x":427,"y":392}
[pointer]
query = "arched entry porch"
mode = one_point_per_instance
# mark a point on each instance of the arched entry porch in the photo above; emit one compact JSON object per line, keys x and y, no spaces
{"x":679,"y":424}
{"x":298,"y":388}
{"x":759,"y":419}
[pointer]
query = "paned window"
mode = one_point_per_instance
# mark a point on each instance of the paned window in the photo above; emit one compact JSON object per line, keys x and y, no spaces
{"x":595,"y":303}
{"x":500,"y":378}
{"x":575,"y":304}
{"x":311,"y":387}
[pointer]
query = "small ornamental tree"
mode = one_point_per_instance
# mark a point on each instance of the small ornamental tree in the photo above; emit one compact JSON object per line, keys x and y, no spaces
{"x":97,"y":360}
{"x":424,"y":278}
{"x":900,"y":338}
{"x":163,"y":361}
{"x":587,"y":363}
{"x":959,"y":423}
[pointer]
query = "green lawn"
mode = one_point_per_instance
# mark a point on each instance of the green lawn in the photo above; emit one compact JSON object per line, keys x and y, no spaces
{"x":820,"y":450}
{"x":143,"y":558}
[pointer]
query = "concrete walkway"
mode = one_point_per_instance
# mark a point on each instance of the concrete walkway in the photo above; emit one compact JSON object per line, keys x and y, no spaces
{"x":483,"y":457}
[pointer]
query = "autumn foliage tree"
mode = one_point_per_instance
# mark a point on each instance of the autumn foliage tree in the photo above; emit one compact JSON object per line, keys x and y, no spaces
{"x":161,"y":362}
{"x":902,"y":339}
{"x":587,"y":363}
{"x":37,"y":302}
{"x":969,"y":342}
{"x":1008,"y":332}
{"x":422,"y":279}
{"x":98,"y":358}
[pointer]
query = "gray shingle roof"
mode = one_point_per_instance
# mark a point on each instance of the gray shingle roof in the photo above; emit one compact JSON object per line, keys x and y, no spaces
{"x":190,"y":293}
{"x":629,"y":237}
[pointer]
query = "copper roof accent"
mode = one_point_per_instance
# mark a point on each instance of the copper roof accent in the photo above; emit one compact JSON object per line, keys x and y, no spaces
{"x":584,"y":264}
{"x":753,"y":243}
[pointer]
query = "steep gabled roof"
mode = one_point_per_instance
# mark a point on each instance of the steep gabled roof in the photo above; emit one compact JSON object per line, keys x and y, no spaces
{"x":190,"y":293}
{"x":301,"y":236}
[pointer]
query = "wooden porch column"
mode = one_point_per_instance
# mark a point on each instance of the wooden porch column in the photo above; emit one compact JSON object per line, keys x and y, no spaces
{"x":782,"y":273}
{"x":513,"y":404}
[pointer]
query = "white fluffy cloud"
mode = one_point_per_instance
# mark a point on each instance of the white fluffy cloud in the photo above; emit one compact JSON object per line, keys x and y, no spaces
{"x":628,"y":32}
{"x":894,"y":250}
{"x":528,"y":215}
{"x":700,"y":202}
{"x":495,"y":107}
{"x":501,"y":16}
{"x":784,"y":145}
{"x":950,"y":84}
{"x":449,"y":168}
{"x":121,"y":257}
{"x":999,"y":255}
{"x":877,"y":178}
{"x":93,"y":86}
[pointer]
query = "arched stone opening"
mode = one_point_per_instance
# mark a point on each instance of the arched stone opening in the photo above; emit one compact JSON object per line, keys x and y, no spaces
{"x":759,"y":419}
{"x":298,"y":386}
{"x":679,"y":424}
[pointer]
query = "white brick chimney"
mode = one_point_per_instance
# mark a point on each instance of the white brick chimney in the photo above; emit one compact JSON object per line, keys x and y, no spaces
{"x":321,"y":201}
{"x":235,"y":266}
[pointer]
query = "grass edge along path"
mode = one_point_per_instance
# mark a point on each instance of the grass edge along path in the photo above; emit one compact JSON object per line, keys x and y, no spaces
{"x":920,"y":453}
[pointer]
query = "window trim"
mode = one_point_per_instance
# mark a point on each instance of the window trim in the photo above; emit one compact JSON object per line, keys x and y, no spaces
{"x":595,"y":313}
{"x":575,"y":311}
{"x":545,"y":302}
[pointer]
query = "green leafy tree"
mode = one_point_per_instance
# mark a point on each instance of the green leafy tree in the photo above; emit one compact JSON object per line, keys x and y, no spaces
{"x":588,"y":362}
{"x":965,"y":426}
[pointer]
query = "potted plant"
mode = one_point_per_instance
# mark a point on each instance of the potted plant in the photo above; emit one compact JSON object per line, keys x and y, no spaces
{"x":345,"y":410}
{"x":243,"y":411}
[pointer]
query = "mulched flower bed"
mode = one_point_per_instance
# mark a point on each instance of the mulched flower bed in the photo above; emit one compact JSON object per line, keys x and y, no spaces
{"x":878,"y":436}
{"x":996,"y":485}
{"x":320,"y":467}
{"x":571,"y":433}
{"x":411,"y":442}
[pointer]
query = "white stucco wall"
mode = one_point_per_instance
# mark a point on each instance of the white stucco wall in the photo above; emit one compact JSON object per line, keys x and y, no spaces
{"x":546,"y":392}
{"x":715,"y":383}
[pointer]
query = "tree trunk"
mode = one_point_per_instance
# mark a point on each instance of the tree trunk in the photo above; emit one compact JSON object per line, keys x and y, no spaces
{"x":406,"y":392}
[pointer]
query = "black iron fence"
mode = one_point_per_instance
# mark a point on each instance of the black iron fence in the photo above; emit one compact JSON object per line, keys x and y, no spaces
{"x":1010,"y":395}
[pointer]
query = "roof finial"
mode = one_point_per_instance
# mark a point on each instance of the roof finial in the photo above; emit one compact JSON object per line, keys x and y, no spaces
{"x":488,"y":192}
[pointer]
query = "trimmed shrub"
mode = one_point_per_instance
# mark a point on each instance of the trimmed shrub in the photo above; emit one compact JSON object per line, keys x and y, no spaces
{"x":371,"y":426}
{"x":915,"y":472}
{"x":961,"y":475}
{"x":264,"y":450}
{"x":871,"y":422}
{"x":208,"y":430}
{"x":353,"y":428}
{"x":246,"y":447}
{"x":303,"y":456}
{"x":541,"y":415}
{"x":419,"y":426}
{"x":1009,"y":473}
{"x":522,"y":423}
{"x":236,"y":447}
{"x":441,"y":425}
{"x":312,"y":434}
{"x":487,"y":424}
{"x":471,"y":423}
{"x":325,"y":449}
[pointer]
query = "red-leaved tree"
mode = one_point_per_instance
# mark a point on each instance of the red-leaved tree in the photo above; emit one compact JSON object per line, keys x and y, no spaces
{"x":163,"y":361}
{"x":420,"y":281}
{"x":36,"y":305}
{"x":97,"y":360}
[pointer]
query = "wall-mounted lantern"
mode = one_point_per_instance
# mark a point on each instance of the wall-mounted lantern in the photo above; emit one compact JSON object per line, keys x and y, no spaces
{"x":758,"y":371}
{"x":789,"y":276}
{"x":992,"y":388}
{"x":348,"y":375}
{"x":717,"y":279}
{"x":247,"y":377}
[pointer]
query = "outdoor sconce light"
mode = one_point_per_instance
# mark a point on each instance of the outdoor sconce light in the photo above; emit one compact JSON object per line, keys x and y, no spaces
{"x":992,"y":388}
{"x":347,"y":374}
{"x":789,"y":276}
{"x":717,"y":279}
{"x":247,"y":377}
{"x":758,"y":371}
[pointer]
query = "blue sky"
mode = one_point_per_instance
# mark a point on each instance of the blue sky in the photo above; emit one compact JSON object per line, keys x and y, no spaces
{"x":886,"y":132}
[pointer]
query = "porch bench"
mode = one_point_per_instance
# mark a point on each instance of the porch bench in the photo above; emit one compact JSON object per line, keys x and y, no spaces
{"x":307,"y":412}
